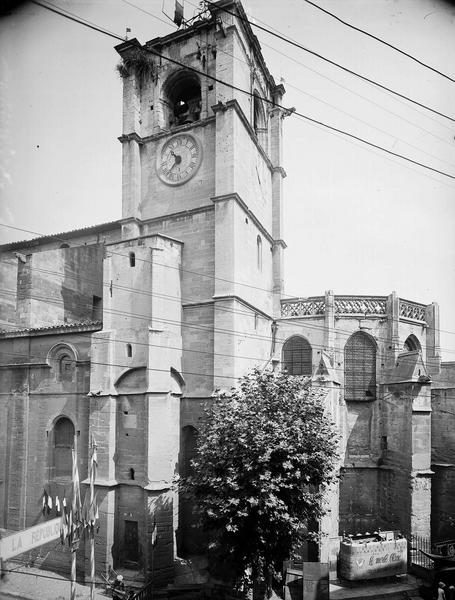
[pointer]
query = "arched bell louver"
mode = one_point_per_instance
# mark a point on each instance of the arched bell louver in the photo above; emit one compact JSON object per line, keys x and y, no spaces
{"x":360,"y":368}
{"x":297,"y":356}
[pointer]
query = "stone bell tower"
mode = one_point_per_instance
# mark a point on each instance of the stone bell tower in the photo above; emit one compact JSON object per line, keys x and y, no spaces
{"x":193,"y":289}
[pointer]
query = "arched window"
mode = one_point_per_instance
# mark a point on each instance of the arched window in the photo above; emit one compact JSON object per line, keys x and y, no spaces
{"x":258,"y":113}
{"x":297,"y":357}
{"x":259,"y":120}
{"x":360,"y":368}
{"x":132,"y":259}
{"x":63,"y":359}
{"x":411,"y":344}
{"x":259,"y":252}
{"x":183,"y":98}
{"x":66,"y":367}
{"x":63,"y":445}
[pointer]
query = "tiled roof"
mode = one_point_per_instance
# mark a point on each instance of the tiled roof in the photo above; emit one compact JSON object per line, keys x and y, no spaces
{"x":49,"y":329}
{"x":63,"y":236}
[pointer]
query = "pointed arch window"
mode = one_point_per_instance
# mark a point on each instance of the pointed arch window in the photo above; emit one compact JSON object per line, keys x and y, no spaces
{"x":360,"y":368}
{"x":63,"y":445}
{"x":297,"y":356}
{"x":260,"y":121}
{"x":411,"y":344}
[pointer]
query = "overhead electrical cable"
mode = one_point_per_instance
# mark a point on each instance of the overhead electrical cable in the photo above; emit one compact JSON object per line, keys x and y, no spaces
{"x":146,"y":12}
{"x":381,"y":41}
{"x":403,"y":102}
{"x":200,"y":327}
{"x":328,"y":60}
{"x":369,"y":100}
{"x":180,"y":269}
{"x":264,"y":99}
{"x":339,"y":109}
{"x":418,"y":148}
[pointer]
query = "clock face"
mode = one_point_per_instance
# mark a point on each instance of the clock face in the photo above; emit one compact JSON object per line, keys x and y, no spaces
{"x":179,"y":159}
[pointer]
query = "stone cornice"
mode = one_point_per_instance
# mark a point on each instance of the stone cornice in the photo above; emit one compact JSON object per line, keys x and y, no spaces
{"x":280,"y":170}
{"x":281,"y":243}
{"x":221,"y":107}
{"x":131,"y":137}
{"x":220,"y":298}
{"x":191,"y":211}
{"x":134,"y":136}
{"x":234,"y":196}
{"x":25,"y":365}
{"x":244,"y":302}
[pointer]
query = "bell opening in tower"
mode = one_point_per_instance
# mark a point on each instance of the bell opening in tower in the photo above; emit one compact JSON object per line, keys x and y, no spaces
{"x":183,"y":98}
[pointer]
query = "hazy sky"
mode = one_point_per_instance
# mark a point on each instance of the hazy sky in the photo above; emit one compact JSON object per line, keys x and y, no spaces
{"x":357,"y":221}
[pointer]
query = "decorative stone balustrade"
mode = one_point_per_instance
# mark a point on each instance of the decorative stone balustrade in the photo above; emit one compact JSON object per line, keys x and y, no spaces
{"x":361,"y":305}
{"x":303,"y":307}
{"x":345,"y":306}
{"x":412,"y":310}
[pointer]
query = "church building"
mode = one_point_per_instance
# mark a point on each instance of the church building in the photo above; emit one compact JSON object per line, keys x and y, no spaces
{"x":121,"y":332}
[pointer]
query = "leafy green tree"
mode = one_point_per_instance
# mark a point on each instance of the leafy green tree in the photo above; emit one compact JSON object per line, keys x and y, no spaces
{"x":266,"y":452}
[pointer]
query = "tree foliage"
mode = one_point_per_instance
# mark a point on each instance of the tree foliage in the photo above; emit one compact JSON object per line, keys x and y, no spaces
{"x":266,"y":451}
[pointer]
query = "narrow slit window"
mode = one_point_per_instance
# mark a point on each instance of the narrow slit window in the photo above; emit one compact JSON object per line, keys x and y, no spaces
{"x":259,"y":252}
{"x":132,"y":259}
{"x":129,"y":350}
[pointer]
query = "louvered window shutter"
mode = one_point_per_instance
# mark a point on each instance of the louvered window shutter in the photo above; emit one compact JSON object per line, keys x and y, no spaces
{"x":360,"y":368}
{"x":298,"y":356}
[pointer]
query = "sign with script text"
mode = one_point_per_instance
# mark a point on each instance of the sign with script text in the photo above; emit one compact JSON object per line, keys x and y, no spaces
{"x":373,"y":559}
{"x":26,"y":540}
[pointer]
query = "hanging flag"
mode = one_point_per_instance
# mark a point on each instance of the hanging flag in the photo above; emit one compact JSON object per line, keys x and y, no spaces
{"x":76,"y":500}
{"x":178,"y":13}
{"x":44,"y":502}
{"x":63,"y":527}
{"x":49,"y":504}
{"x":154,"y":534}
{"x":57,"y":504}
{"x":92,"y":507}
{"x":76,"y":505}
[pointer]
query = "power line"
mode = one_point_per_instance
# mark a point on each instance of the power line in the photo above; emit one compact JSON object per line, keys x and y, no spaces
{"x":264,"y":99}
{"x":381,"y":41}
{"x":312,"y":52}
{"x":209,"y":376}
{"x":146,"y":12}
{"x":352,"y":91}
{"x":187,"y":302}
{"x":338,"y":84}
{"x":175,"y":298}
{"x":80,"y":20}
{"x":392,"y":135}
